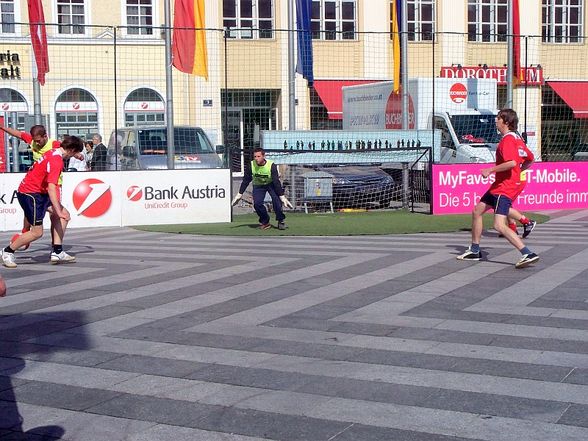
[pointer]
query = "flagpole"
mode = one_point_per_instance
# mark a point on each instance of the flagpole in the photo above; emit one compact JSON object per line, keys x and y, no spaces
{"x":291,"y":68}
{"x":404,"y":62}
{"x":510,"y":54}
{"x":37,"y":101}
{"x":169,"y":93}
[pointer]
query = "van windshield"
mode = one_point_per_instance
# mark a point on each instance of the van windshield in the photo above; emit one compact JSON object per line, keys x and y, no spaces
{"x":475,"y":129}
{"x":187,"y":141}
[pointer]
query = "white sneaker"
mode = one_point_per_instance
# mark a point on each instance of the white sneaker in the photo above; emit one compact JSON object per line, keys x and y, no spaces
{"x":8,"y":259}
{"x":62,"y":257}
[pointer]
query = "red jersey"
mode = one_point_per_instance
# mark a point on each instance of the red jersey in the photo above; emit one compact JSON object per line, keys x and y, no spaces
{"x":508,"y":183}
{"x":44,"y":172}
{"x":526,"y":155}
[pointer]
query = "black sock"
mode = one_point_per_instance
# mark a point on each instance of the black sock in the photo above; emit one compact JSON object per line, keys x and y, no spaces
{"x":9,"y":250}
{"x":57,"y":249}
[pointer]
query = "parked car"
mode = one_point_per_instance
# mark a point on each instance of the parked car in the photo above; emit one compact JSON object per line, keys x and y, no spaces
{"x":359,"y":186}
{"x":145,"y":148}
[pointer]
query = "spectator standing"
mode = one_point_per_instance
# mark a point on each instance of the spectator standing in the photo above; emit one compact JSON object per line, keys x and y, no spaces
{"x":98,"y":162}
{"x":89,"y":147}
{"x":78,"y":162}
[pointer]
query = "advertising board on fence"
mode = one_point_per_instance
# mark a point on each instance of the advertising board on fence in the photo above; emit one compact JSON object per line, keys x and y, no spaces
{"x":350,"y":147}
{"x":153,"y":197}
{"x":457,"y":188}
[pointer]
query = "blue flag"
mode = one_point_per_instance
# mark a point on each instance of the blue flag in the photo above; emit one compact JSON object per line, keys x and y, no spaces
{"x":304,"y":64}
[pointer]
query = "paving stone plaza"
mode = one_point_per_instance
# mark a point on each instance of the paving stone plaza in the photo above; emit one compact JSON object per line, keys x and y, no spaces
{"x":152,"y":336}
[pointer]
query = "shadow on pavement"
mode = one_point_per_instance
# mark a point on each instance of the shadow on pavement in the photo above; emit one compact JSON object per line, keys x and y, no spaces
{"x":15,"y":331}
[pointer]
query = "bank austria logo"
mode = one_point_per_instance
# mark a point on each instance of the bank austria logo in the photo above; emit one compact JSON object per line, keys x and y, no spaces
{"x":92,"y":198}
{"x":134,"y":193}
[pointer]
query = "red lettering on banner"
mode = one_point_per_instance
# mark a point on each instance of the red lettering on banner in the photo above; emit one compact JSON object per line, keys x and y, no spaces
{"x":394,"y":112}
{"x":533,"y":76}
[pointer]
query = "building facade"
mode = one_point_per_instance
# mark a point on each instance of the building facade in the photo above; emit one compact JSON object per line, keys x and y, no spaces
{"x":108,"y":64}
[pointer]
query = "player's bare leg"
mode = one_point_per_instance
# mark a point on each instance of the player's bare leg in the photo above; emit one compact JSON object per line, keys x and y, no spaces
{"x":36,"y":232}
{"x":58,"y":227}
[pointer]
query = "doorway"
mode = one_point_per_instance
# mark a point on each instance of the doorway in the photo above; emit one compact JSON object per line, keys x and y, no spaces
{"x":249,"y":112}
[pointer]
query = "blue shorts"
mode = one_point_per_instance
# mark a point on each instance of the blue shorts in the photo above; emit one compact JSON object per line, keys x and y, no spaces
{"x":500,"y":203}
{"x":34,"y":206}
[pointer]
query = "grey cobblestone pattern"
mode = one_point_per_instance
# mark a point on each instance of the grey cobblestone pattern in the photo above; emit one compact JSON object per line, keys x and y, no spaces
{"x":170,"y":337}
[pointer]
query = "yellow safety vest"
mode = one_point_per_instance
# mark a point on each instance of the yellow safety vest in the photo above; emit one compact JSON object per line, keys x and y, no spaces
{"x":262,"y":174}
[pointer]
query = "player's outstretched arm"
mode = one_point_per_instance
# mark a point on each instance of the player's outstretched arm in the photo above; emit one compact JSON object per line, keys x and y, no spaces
{"x":11,"y":131}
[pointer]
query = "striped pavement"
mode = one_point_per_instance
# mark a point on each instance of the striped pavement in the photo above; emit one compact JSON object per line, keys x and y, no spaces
{"x":152,"y":336}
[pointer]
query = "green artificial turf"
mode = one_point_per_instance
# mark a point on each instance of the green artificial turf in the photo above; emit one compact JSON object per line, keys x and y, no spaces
{"x":336,"y":224}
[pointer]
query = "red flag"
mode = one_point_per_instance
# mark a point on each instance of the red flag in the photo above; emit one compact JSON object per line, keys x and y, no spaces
{"x":517,"y":71}
{"x":189,"y":42}
{"x":38,"y":39}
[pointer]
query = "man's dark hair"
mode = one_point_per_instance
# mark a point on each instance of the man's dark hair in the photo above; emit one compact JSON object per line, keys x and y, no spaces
{"x":72,"y":143}
{"x":510,"y":118}
{"x":38,"y":130}
{"x":259,"y":150}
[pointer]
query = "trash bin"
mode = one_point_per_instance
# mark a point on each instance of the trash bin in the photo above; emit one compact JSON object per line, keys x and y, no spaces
{"x":318,"y":189}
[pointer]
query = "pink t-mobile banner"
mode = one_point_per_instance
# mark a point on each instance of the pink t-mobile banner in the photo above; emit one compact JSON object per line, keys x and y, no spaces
{"x":457,"y":188}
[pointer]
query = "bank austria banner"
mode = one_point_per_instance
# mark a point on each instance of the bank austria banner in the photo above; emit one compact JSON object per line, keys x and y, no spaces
{"x":457,"y":188}
{"x":110,"y":199}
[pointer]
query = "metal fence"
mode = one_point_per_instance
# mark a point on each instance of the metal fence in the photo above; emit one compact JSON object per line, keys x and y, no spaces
{"x":110,"y":77}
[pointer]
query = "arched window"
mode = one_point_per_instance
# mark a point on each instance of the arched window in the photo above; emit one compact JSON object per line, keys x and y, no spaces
{"x":76,"y":113}
{"x":12,"y":102}
{"x":144,"y":107}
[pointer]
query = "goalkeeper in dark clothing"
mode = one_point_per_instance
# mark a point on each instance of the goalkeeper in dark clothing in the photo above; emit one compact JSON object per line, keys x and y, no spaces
{"x":265,"y":177}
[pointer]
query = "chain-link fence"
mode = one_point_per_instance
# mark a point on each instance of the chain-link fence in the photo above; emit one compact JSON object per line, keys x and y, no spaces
{"x":103,"y":78}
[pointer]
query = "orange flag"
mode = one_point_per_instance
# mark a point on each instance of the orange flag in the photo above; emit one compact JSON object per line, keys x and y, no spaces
{"x":189,"y":38}
{"x":396,"y":56}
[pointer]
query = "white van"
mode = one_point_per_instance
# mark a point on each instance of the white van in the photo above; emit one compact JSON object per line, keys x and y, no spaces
{"x":145,"y":148}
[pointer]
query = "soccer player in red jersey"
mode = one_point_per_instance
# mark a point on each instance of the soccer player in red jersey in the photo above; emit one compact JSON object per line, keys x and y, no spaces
{"x":504,"y":189}
{"x":39,"y":189}
{"x":41,"y":143}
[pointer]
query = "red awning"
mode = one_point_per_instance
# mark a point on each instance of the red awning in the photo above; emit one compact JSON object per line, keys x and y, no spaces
{"x":332,"y":96}
{"x":575,"y":94}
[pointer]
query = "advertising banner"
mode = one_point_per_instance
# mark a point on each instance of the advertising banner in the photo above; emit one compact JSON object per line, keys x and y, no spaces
{"x":457,"y":188}
{"x":112,"y":199}
{"x":92,"y":198}
{"x":348,"y":146}
{"x":11,"y":215}
{"x":179,"y":197}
